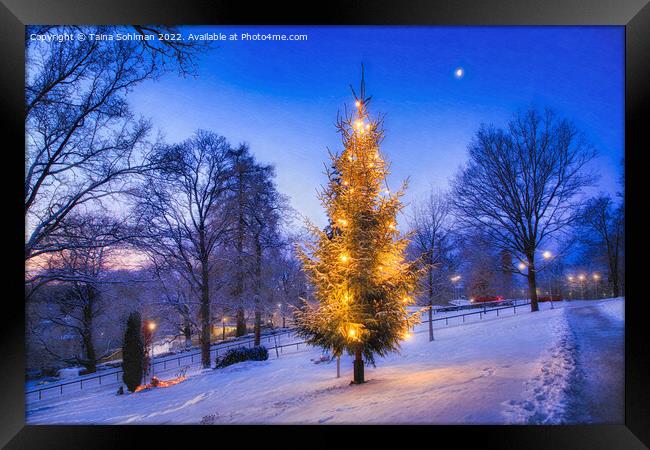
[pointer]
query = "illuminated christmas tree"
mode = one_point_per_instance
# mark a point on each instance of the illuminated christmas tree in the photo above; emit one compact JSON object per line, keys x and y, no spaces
{"x":357,"y":264}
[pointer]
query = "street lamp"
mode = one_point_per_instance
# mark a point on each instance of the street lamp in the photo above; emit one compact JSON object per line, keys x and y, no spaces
{"x":223,"y":328}
{"x":152,"y":328}
{"x":454,"y":280}
{"x":597,"y":280}
{"x":548,"y":255}
{"x":582,"y":278}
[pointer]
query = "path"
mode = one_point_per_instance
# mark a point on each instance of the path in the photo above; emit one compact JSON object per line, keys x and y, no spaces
{"x":597,"y":390}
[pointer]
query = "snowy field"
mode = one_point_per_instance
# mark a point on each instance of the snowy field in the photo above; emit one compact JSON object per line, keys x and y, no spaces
{"x":167,"y":366}
{"x":557,"y":366}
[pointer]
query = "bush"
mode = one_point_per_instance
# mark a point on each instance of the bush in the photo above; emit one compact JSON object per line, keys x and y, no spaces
{"x":133,"y":352}
{"x":241,"y":354}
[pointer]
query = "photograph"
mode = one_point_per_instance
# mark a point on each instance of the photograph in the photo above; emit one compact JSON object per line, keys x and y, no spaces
{"x":324,"y":225}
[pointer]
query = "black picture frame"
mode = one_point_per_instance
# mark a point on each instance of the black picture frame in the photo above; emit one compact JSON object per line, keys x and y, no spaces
{"x":634,"y":15}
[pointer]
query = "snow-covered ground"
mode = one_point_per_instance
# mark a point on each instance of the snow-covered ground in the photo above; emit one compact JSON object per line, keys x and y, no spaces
{"x":525,"y":368}
{"x":169,"y":364}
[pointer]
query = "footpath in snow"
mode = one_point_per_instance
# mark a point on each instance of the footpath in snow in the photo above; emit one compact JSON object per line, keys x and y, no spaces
{"x":555,"y":366}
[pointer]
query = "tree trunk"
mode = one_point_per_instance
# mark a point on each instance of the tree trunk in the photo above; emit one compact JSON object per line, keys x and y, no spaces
{"x":90,"y":355}
{"x":239,"y":246}
{"x":258,"y":288}
{"x":613,"y":275}
{"x":241,"y":322}
{"x":205,"y":315}
{"x":187,"y":332}
{"x":258,"y":327}
{"x":532,"y":284}
{"x":358,"y":367}
{"x":430,"y":304}
{"x":430,"y":320}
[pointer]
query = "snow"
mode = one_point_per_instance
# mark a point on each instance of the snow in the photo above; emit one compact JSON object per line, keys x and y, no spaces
{"x":511,"y":369}
{"x":614,"y":309}
{"x":69,"y":372}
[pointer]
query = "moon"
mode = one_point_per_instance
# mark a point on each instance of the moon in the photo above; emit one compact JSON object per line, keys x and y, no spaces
{"x":459,"y":72}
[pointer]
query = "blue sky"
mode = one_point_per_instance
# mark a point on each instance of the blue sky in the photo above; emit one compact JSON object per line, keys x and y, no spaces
{"x":282,"y":97}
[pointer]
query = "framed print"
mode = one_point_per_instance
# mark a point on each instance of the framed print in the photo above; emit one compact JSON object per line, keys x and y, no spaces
{"x":378,"y":217}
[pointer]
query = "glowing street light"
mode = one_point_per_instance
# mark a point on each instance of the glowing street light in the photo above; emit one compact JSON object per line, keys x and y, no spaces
{"x":521,"y":266}
{"x":596,"y":278}
{"x":282,"y":312}
{"x":223,"y":328}
{"x":151,"y":325}
{"x":582,"y":277}
{"x":454,"y":280}
{"x":547,"y":255}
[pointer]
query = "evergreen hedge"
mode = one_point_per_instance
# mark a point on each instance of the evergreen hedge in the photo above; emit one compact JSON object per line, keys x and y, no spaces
{"x":241,"y":354}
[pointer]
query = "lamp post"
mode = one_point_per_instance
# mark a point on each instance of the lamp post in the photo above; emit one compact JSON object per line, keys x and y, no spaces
{"x":282,"y":314}
{"x":223,"y":328}
{"x":548,"y":255}
{"x":152,"y":328}
{"x":454,"y":281}
{"x":582,"y":278}
{"x":570,"y":278}
{"x":522,"y":266}
{"x":597,"y":280}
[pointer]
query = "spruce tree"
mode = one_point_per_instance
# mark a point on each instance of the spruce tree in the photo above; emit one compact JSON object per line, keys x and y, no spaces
{"x":357,"y":264}
{"x":133,"y":352}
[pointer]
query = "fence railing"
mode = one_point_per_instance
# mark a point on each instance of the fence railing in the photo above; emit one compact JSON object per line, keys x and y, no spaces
{"x":482,"y":311}
{"x":164,"y":364}
{"x":176,"y":362}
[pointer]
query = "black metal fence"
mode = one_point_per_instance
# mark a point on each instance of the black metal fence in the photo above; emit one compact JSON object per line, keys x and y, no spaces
{"x":163,"y":364}
{"x":192,"y":357}
{"x":483,"y":310}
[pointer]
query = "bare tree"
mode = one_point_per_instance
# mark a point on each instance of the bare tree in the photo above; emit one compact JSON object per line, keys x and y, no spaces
{"x":291,"y":282}
{"x":521,"y":184}
{"x":78,"y":301}
{"x":429,"y":225}
{"x":176,"y":303}
{"x":244,"y":170}
{"x":83,"y":145}
{"x":181,"y":214}
{"x":482,"y":262}
{"x":602,"y":228}
{"x":266,"y":214}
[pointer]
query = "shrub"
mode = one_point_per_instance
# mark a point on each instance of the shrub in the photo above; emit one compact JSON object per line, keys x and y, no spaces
{"x":133,"y":352}
{"x":241,"y":354}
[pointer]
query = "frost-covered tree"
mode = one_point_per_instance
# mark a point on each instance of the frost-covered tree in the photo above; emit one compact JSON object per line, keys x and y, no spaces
{"x":431,"y":242}
{"x":83,"y":143}
{"x":181,"y":217}
{"x":601,"y":230}
{"x":521,"y":185}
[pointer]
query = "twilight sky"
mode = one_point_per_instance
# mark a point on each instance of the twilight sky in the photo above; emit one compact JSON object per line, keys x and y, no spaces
{"x":282,"y":97}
